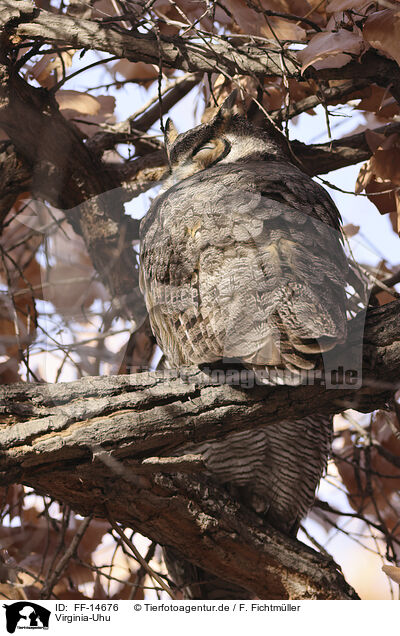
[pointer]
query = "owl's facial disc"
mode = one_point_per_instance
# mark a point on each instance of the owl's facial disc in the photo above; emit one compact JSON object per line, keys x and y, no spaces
{"x":198,"y":158}
{"x":227,"y":138}
{"x":204,"y":143}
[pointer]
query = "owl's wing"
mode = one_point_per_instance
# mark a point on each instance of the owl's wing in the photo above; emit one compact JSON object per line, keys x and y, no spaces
{"x":245,"y":261}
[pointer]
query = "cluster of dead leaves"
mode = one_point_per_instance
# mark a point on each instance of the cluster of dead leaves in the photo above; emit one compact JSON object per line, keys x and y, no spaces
{"x":20,"y":272}
{"x":380,"y":176}
{"x":87,"y":112}
{"x":352,"y":29}
{"x":42,"y":259}
{"x":370,"y":471}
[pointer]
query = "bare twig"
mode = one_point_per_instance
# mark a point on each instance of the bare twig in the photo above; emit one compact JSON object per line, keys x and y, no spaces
{"x":65,"y":559}
{"x":139,"y":557}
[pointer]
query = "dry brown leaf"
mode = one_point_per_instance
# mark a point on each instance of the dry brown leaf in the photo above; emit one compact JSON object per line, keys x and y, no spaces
{"x":252,"y":22}
{"x":280,"y":29}
{"x":384,"y":297}
{"x":273,"y":96}
{"x":335,"y":6}
{"x":143,"y":73}
{"x":381,"y":486}
{"x":382,"y":31}
{"x":300,"y":90}
{"x":296,"y":7}
{"x":350,"y":229}
{"x":9,"y":371}
{"x":49,"y":69}
{"x":25,"y":545}
{"x":392,"y":571}
{"x":22,"y":274}
{"x":86,"y":108}
{"x":385,"y":161}
{"x":104,"y":9}
{"x":365,"y":175}
{"x":82,"y":103}
{"x":70,"y":287}
{"x":21,"y":238}
{"x":374,"y":139}
{"x":193,"y":11}
{"x":244,"y":17}
{"x":170,"y":22}
{"x":11,"y":592}
{"x":11,"y":500}
{"x":99,"y":592}
{"x":70,"y":282}
{"x":140,"y":72}
{"x":8,"y":340}
{"x":379,"y":101}
{"x":330,"y":48}
{"x":384,"y":423}
{"x":380,"y":176}
{"x":222,"y":87}
{"x":17,"y":326}
{"x":395,"y":218}
{"x":29,"y":515}
{"x":382,"y":195}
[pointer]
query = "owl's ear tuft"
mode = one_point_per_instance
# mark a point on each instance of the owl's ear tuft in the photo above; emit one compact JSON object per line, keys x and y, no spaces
{"x":226,"y":110}
{"x":170,"y":133}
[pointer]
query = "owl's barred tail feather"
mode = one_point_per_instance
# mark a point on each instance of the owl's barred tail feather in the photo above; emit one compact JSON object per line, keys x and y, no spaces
{"x":275,"y":471}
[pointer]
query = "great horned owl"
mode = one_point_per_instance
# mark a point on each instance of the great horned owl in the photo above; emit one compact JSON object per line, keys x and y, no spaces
{"x":241,"y":259}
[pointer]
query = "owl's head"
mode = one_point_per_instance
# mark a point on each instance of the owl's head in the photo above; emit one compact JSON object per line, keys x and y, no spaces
{"x":224,"y":139}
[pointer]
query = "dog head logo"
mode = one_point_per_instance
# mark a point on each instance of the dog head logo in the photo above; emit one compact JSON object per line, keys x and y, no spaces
{"x":26,"y":615}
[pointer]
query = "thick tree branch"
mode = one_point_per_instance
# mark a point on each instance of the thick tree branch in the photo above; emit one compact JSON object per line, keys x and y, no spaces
{"x":347,"y":151}
{"x":147,"y":414}
{"x":374,"y":67}
{"x":182,"y":53}
{"x":188,"y":54}
{"x":201,"y":521}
